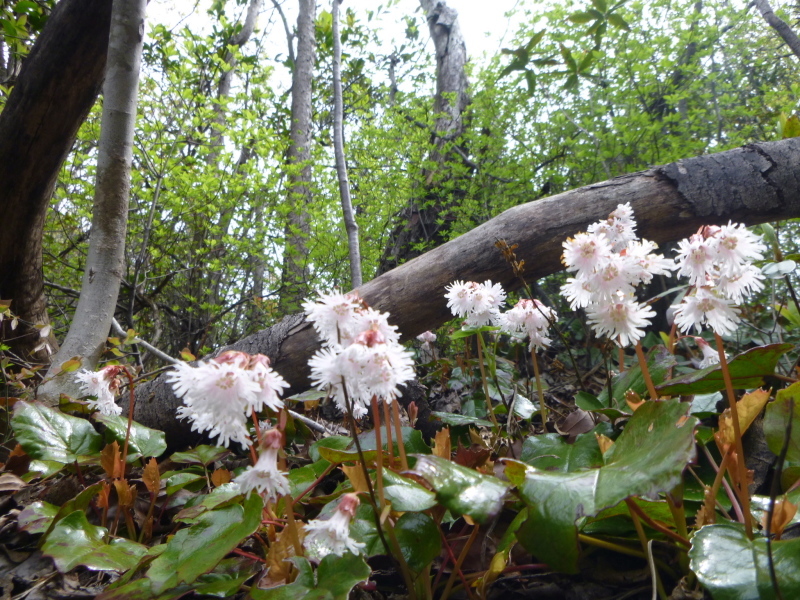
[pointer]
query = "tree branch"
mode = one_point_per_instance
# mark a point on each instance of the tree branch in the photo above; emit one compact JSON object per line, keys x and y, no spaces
{"x":779,"y":25}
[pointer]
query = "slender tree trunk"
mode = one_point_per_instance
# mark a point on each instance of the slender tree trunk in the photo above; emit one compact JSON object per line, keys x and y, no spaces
{"x":779,"y":25}
{"x":338,"y":150}
{"x":426,"y":222}
{"x":294,"y":286}
{"x":105,"y":262}
{"x":752,"y":185}
{"x":57,"y":86}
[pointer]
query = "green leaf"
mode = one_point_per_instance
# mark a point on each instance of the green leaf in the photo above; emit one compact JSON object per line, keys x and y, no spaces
{"x":535,"y":39}
{"x":412,"y":440}
{"x":178,"y":481}
{"x":600,"y":5}
{"x":747,"y":369}
{"x":406,"y":495}
{"x":418,"y":538}
{"x":791,"y":128}
{"x":218,"y":497}
{"x":47,"y":434}
{"x":455,"y":420}
{"x":462,"y":333}
{"x":618,"y":22}
{"x":551,"y":452}
{"x":776,"y":418}
{"x":36,"y":517}
{"x":556,"y":500}
{"x":198,"y":548}
{"x":335,"y":442}
{"x":462,"y":490}
{"x":582,"y":17}
{"x":731,"y":567}
{"x":659,"y":363}
{"x":201,"y":455}
{"x":74,"y":541}
{"x":566,"y":54}
{"x":143,"y":442}
{"x":335,"y":577}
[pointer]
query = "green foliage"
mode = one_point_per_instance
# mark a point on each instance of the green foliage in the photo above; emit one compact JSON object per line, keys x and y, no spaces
{"x":48,"y":434}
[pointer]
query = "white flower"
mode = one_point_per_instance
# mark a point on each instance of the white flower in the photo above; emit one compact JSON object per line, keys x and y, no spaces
{"x":736,"y":285}
{"x":479,"y":303}
{"x":696,"y":259}
{"x":644,"y":264}
{"x":585,"y":252}
{"x":104,"y":385}
{"x":264,"y":476}
{"x":532,"y":318}
{"x":459,"y":297}
{"x":621,"y":319}
{"x":710,"y":355}
{"x":579,"y":292}
{"x":706,"y":306}
{"x":219,"y":394}
{"x":619,"y":228}
{"x":736,"y":247}
{"x":333,"y":315}
{"x":333,"y":536}
{"x":270,"y":382}
{"x":427,"y":338}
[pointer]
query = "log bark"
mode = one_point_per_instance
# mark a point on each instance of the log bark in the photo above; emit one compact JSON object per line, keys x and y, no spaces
{"x":753,"y":184}
{"x":56,"y":88}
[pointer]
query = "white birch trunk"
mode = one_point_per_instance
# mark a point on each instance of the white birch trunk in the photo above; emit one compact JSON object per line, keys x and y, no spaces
{"x":106,"y":259}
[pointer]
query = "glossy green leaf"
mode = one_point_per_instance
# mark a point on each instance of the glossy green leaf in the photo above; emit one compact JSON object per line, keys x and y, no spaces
{"x":335,"y":577}
{"x":218,"y":497}
{"x":36,"y":517}
{"x":74,"y":541}
{"x":200,"y":455}
{"x":48,"y":434}
{"x":405,"y":494}
{"x":748,"y":370}
{"x":462,"y":490}
{"x":731,"y":567}
{"x":335,"y":442}
{"x":412,"y":440}
{"x":181,"y":480}
{"x":198,"y":548}
{"x":551,"y":452}
{"x":418,"y":538}
{"x":776,"y":419}
{"x":144,"y":442}
{"x":659,"y":363}
{"x":462,"y":333}
{"x":647,"y":458}
{"x":456,"y":420}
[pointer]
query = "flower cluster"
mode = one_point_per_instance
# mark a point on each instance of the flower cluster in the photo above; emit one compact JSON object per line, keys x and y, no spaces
{"x":361,"y":355}
{"x":530,"y":318}
{"x":609,"y":261}
{"x":478,"y":303}
{"x":718,"y":263}
{"x":264,"y":476}
{"x":103,"y":385}
{"x":333,"y":535}
{"x":219,"y":394}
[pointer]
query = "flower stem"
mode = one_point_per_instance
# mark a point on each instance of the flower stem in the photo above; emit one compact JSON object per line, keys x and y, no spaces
{"x":399,"y":432}
{"x":741,"y":487}
{"x":389,"y":442}
{"x":376,"y":417}
{"x":651,"y":389}
{"x":459,"y":562}
{"x":485,"y":382}
{"x":539,"y":390}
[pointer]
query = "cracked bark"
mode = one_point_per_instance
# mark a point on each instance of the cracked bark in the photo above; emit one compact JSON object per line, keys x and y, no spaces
{"x":753,"y":184}
{"x":57,"y":86}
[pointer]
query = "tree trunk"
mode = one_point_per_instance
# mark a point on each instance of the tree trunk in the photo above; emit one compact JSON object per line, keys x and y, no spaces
{"x":779,"y":25}
{"x":753,"y":184}
{"x":426,"y":221}
{"x":293,"y":280}
{"x":105,"y":262}
{"x":55,"y":90}
{"x":350,"y":224}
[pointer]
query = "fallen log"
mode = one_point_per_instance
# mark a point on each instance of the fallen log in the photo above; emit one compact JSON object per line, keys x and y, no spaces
{"x":753,"y":184}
